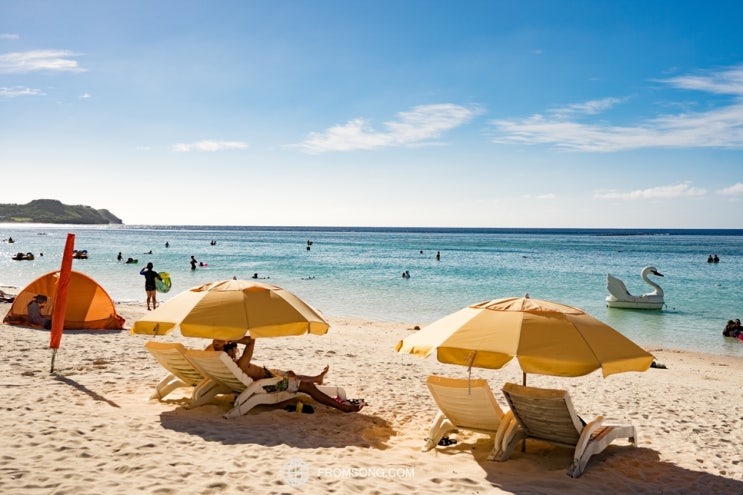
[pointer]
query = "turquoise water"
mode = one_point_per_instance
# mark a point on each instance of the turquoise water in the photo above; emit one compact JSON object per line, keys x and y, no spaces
{"x":357,"y":272}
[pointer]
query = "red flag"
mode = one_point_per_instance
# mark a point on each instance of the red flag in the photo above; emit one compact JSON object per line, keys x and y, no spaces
{"x":60,"y":299}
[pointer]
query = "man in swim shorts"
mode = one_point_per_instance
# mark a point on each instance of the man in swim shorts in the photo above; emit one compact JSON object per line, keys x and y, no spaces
{"x":290,"y":384}
{"x":293,"y":382}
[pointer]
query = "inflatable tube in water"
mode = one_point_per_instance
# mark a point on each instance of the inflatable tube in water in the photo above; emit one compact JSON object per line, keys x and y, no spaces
{"x":163,"y":284}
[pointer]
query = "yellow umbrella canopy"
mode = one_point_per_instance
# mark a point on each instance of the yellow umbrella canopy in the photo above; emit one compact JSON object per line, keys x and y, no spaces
{"x":230,"y":309}
{"x":546,"y":337}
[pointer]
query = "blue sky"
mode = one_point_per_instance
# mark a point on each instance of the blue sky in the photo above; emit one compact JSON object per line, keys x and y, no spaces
{"x":384,"y":113}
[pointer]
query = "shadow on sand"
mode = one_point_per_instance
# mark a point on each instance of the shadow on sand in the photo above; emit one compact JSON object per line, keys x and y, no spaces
{"x":77,"y":331}
{"x":84,"y":389}
{"x":309,"y":431}
{"x":542,"y":469}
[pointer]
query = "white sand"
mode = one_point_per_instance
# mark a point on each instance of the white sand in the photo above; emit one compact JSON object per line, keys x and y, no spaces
{"x":90,"y":428}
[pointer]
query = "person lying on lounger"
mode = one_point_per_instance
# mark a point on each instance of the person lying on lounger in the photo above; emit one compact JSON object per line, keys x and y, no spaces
{"x":291,"y":382}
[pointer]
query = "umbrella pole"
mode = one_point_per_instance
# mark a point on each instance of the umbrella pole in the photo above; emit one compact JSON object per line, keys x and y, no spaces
{"x":469,"y":380}
{"x":469,"y":374}
{"x":523,"y":378}
{"x":54,"y":354}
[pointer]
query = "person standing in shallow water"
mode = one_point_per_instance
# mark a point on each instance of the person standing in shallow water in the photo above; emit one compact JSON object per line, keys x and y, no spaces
{"x":150,"y":276}
{"x":193,"y":263}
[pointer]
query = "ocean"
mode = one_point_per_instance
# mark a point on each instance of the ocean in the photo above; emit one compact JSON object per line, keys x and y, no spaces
{"x":357,"y":272}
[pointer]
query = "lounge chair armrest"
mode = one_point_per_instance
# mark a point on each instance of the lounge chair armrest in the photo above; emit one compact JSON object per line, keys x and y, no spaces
{"x":258,"y":385}
{"x":439,"y":427}
{"x":500,"y":435}
{"x":266,"y":382}
{"x":588,"y":430}
{"x":509,"y":434}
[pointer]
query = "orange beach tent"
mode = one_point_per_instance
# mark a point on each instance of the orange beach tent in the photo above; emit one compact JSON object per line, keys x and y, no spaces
{"x":89,"y":307}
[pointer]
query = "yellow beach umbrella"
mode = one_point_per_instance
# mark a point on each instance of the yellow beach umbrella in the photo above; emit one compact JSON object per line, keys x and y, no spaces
{"x":230,"y":309}
{"x":545,"y":337}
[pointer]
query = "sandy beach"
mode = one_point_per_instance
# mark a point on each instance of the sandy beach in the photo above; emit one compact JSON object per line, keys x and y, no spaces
{"x":89,"y":428}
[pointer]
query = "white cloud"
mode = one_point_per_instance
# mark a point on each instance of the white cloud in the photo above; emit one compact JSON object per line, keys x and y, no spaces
{"x":9,"y":36}
{"x":208,"y":145}
{"x":85,"y":96}
{"x":586,"y":108}
{"x":734,"y":190}
{"x":19,"y":91}
{"x":727,"y":82}
{"x":417,"y":127}
{"x":720,"y":127}
{"x":39,"y":60}
{"x":660,"y":192}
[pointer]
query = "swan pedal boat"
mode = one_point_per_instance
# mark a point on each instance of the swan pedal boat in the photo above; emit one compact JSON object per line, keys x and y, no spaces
{"x":621,"y":298}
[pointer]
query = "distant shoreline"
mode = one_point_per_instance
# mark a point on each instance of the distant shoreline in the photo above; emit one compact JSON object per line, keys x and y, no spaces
{"x":604,"y":232}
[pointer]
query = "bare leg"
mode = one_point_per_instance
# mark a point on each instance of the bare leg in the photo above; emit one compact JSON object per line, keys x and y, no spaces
{"x":317,"y":379}
{"x":151,"y":299}
{"x":311,"y":390}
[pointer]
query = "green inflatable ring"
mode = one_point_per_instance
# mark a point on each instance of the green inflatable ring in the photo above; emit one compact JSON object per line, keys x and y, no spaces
{"x":163,"y":284}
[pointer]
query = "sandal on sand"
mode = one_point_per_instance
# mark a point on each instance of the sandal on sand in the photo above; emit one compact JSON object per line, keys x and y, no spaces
{"x":359,"y":404}
{"x":356,"y":402}
{"x":446,"y":441}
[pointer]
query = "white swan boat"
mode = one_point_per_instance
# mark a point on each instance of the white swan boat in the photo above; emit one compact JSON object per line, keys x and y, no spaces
{"x":621,"y":298}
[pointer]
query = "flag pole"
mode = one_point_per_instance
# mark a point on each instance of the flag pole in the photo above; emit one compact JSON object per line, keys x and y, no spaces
{"x":60,"y":298}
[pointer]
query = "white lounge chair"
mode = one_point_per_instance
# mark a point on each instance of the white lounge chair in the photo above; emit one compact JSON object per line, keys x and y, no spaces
{"x":548,"y":415}
{"x":466,"y":404}
{"x":171,"y":356}
{"x":218,"y":366}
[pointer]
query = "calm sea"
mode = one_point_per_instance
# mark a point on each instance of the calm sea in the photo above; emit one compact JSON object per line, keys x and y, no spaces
{"x":356,"y":272}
